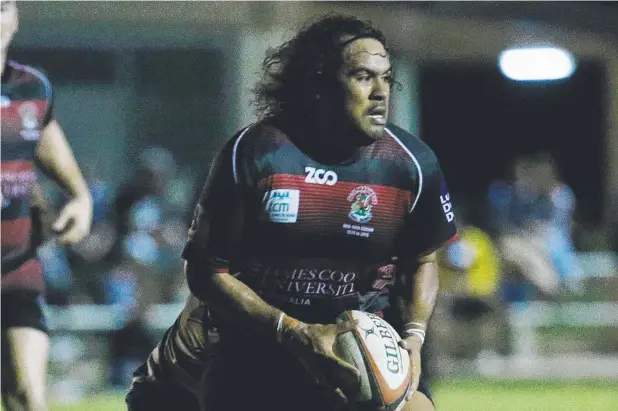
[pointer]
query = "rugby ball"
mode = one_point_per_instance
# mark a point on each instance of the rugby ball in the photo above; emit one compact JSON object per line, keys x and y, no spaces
{"x":384,"y":366}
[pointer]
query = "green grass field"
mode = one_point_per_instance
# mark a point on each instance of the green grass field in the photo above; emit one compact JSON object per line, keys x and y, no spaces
{"x":473,"y":396}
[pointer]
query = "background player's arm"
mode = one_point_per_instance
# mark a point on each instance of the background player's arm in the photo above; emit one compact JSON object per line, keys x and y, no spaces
{"x":55,"y":158}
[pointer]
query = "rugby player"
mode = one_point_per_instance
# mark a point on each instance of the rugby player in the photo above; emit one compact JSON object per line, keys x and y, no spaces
{"x":318,"y":208}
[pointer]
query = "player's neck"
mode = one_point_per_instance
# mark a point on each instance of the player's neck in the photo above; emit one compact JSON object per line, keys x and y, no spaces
{"x":322,"y":141}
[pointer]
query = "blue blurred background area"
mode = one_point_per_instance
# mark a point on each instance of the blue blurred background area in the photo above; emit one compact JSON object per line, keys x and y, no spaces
{"x":147,"y":92}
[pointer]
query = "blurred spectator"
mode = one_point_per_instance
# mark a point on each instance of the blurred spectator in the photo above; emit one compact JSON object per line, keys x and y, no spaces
{"x":155,"y":169}
{"x":532,"y":220}
{"x":128,"y":348}
{"x":56,"y":269}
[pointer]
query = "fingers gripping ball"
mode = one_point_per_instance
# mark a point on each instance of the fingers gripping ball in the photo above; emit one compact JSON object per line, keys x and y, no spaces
{"x":384,"y":366}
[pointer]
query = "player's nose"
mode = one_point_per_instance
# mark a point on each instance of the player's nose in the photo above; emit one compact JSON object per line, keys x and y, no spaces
{"x":379,"y":91}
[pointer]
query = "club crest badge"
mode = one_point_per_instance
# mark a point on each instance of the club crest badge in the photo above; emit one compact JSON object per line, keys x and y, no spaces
{"x":363,"y":199}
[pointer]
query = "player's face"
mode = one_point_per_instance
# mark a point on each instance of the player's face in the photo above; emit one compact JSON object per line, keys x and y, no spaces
{"x":366,"y":76}
{"x":9,"y":22}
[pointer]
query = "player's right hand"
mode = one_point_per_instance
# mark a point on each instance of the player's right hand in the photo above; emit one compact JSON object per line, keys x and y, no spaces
{"x":313,"y":344}
{"x":74,"y":221}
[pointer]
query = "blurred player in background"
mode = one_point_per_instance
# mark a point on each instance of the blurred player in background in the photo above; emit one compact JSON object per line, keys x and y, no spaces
{"x":30,"y":135}
{"x":317,"y":209}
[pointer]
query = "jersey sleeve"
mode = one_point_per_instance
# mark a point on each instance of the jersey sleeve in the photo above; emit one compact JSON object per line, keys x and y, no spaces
{"x":47,"y":92}
{"x":216,"y":227}
{"x":431,"y":223}
{"x":49,"y":97}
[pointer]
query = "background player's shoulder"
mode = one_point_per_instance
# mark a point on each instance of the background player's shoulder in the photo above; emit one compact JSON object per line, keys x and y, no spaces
{"x":412,"y":143}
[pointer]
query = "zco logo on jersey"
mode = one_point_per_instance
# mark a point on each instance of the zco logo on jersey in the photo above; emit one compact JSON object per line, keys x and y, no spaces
{"x":281,"y":206}
{"x":320,"y":176}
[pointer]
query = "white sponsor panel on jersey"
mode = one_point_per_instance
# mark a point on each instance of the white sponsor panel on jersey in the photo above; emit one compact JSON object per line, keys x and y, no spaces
{"x":281,"y":205}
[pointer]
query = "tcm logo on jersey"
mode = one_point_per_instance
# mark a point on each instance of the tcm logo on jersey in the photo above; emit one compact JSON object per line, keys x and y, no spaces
{"x":281,"y":206}
{"x":320,"y":176}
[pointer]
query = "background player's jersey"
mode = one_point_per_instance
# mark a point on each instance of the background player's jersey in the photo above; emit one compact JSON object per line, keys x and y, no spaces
{"x":26,"y":105}
{"x":316,"y":239}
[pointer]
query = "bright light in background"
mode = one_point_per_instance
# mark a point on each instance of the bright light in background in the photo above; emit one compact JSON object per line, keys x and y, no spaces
{"x":536,"y":64}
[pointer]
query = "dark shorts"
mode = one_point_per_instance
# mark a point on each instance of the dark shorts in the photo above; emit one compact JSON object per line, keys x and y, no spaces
{"x":22,"y":308}
{"x":149,"y":395}
{"x":260,"y":379}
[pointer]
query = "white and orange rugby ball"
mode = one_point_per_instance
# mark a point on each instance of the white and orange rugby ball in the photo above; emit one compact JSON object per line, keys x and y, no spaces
{"x":373,"y":347}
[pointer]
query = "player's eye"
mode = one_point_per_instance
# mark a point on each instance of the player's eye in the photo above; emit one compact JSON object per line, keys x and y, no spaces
{"x":389,"y":78}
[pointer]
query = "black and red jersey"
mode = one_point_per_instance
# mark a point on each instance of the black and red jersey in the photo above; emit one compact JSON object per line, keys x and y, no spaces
{"x":26,"y":104}
{"x":315,"y":239}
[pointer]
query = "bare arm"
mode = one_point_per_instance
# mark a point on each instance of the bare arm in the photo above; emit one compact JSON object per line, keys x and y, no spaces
{"x":232,"y":298}
{"x":55,"y":158}
{"x":419,"y":298}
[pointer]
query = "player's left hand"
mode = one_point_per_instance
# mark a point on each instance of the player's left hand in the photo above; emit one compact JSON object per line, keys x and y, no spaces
{"x":412,"y":345}
{"x":74,"y":221}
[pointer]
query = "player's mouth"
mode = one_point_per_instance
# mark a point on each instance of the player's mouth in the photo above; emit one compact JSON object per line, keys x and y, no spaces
{"x":377,"y":115}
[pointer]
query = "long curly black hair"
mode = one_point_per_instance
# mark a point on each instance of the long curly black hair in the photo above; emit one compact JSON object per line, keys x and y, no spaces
{"x":302,"y":70}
